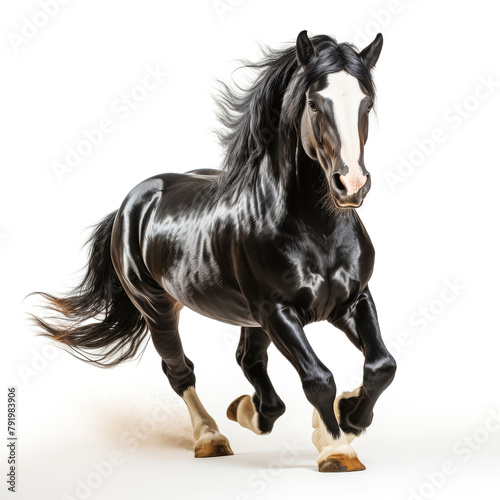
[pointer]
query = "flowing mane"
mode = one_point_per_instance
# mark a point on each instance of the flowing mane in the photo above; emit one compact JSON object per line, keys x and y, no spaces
{"x":252,"y":117}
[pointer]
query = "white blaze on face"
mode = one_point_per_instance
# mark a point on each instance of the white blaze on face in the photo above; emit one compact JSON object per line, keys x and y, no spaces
{"x":346,"y":95}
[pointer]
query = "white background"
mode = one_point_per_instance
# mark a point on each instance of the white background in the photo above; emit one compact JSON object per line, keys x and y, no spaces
{"x":438,"y":226}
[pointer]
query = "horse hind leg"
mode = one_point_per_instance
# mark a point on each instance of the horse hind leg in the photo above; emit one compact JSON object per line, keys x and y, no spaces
{"x":162,"y":315}
{"x":179,"y":369}
{"x":209,"y":442}
{"x":258,"y":412}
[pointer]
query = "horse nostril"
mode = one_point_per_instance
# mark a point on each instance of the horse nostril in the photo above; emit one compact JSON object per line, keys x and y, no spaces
{"x":339,"y":184}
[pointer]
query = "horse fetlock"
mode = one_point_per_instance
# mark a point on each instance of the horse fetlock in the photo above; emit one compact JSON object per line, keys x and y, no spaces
{"x":354,"y":411}
{"x":358,"y":420}
{"x":243,"y":411}
{"x":335,"y":453}
{"x":272,"y":410}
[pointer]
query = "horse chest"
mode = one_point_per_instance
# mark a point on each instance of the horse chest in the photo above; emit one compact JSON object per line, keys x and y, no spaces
{"x":331,"y":276}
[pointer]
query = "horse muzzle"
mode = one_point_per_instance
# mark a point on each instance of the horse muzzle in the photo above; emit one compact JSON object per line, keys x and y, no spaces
{"x":349,"y":190}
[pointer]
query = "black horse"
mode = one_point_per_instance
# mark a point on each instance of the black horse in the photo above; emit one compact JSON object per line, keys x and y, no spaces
{"x":270,"y":243}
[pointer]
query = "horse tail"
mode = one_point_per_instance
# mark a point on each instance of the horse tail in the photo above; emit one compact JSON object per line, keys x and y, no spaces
{"x":120,"y":328}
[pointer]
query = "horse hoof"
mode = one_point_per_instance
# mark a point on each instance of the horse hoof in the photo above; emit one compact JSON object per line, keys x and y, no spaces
{"x":340,"y":463}
{"x":233,"y":408}
{"x":215,"y":448}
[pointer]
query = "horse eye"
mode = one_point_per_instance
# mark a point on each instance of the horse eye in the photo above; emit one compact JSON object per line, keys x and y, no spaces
{"x":312,"y":106}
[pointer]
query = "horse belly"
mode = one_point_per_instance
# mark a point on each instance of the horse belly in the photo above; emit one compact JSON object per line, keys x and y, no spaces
{"x":216,"y":301}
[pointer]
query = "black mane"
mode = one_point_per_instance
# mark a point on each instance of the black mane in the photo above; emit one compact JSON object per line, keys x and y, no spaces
{"x":275,"y":101}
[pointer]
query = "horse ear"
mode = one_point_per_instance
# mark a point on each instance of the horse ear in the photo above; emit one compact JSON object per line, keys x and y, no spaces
{"x":305,"y":49}
{"x":370,"y":54}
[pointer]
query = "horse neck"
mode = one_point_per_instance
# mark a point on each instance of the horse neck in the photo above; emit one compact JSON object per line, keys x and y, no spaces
{"x":298,"y":186}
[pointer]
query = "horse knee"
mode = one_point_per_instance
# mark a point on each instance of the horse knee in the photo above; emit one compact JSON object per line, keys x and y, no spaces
{"x":380,"y":374}
{"x":390,"y":368}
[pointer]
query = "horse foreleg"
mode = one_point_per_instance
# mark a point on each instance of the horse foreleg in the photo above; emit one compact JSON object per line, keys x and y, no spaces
{"x":355,"y":409}
{"x":286,"y":332}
